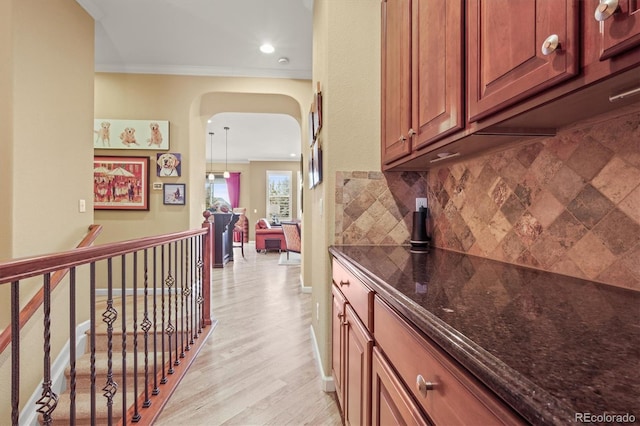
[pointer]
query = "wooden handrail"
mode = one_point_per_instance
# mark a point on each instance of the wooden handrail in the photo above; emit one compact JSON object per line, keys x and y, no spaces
{"x":36,"y":301}
{"x":20,"y":269}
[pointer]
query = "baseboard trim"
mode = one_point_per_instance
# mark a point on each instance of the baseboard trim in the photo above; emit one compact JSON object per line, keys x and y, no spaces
{"x":303,"y":288}
{"x":327,"y":381}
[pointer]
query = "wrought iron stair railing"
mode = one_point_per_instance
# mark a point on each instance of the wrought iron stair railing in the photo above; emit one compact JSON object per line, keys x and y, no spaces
{"x":155,"y":311}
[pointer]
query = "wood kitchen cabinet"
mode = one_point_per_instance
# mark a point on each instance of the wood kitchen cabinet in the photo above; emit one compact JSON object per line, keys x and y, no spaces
{"x":422,"y":80}
{"x":444,"y":390}
{"x":357,"y":372}
{"x":619,"y":28}
{"x":391,"y":403}
{"x":516,"y":49}
{"x":352,"y":345}
{"x":388,"y":373}
{"x":337,"y":342}
{"x":460,"y":78}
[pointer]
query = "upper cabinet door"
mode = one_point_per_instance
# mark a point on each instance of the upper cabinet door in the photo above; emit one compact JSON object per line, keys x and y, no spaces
{"x":396,"y":79}
{"x":619,"y":26}
{"x":437,"y":70}
{"x":517,"y":48}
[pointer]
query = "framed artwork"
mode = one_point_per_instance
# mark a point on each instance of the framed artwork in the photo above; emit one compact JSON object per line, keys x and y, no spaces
{"x":317,"y":116}
{"x":310,"y":165}
{"x":174,"y":193}
{"x":317,"y":164}
{"x":120,"y":183}
{"x":130,"y":134}
{"x":168,"y":164}
{"x":312,"y":131}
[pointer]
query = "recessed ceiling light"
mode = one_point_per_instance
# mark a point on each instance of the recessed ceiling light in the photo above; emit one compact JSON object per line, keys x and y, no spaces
{"x":267,"y":48}
{"x":283,"y":60}
{"x":292,"y":154}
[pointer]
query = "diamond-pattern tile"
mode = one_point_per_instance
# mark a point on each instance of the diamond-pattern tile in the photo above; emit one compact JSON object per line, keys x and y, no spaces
{"x":590,"y":206}
{"x":590,"y":158}
{"x":617,"y":179}
{"x":569,"y":204}
{"x":618,"y":232}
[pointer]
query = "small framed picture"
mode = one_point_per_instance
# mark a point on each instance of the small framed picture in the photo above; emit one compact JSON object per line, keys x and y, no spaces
{"x":174,"y":193}
{"x":312,"y":130}
{"x":168,"y":164}
{"x":317,"y":116}
{"x":317,"y":163}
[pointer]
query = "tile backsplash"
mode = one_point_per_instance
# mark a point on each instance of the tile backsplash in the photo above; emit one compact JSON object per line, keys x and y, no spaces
{"x":569,"y":204}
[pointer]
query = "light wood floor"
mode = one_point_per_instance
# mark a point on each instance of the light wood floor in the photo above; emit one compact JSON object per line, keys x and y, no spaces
{"x":257,"y":368}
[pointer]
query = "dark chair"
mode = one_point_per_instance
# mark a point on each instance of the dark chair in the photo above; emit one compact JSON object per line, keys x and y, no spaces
{"x":239,"y":230}
{"x":291,"y":231}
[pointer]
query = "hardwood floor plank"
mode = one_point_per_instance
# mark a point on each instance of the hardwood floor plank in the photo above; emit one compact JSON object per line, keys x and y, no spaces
{"x":257,"y":368}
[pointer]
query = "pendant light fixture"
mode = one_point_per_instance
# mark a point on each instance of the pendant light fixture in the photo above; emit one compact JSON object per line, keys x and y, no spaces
{"x":211,"y":177}
{"x":226,"y":152}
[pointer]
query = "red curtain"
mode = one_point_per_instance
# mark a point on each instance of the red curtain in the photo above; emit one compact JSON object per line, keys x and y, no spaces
{"x":233,"y":186}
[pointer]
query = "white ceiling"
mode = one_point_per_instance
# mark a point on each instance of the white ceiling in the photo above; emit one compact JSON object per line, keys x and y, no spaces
{"x":214,"y":38}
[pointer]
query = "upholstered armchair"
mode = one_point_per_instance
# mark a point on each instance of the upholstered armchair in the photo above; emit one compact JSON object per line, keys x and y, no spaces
{"x":292,"y":236}
{"x":264,"y":232}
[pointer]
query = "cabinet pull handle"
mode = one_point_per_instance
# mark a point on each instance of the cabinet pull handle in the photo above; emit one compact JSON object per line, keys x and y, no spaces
{"x":550,"y":44}
{"x":424,"y":386}
{"x":344,"y":283}
{"x":606,"y":9}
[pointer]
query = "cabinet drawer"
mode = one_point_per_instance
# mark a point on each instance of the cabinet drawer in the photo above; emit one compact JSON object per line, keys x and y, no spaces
{"x":456,"y":397}
{"x":358,"y":295}
{"x":391,"y":403}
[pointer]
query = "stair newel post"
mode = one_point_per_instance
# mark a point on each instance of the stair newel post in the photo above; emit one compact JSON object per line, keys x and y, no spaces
{"x":208,"y":262}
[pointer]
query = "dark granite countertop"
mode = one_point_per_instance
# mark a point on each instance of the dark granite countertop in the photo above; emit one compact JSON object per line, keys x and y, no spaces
{"x":549,"y":345}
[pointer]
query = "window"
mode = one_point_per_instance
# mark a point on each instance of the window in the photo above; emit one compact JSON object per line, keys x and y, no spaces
{"x":216,"y":190}
{"x":279,"y":195}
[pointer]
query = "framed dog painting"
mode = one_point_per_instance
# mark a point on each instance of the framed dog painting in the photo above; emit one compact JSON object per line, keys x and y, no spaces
{"x":120,"y":183}
{"x":168,"y":164}
{"x":130,"y":134}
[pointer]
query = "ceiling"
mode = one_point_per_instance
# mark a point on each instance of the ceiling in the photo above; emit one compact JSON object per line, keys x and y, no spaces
{"x":213,"y":38}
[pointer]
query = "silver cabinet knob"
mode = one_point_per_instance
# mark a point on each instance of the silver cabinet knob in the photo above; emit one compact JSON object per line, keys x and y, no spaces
{"x":412,"y":133}
{"x":402,"y":139}
{"x":606,"y":9}
{"x":550,"y":44}
{"x":423,"y":386}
